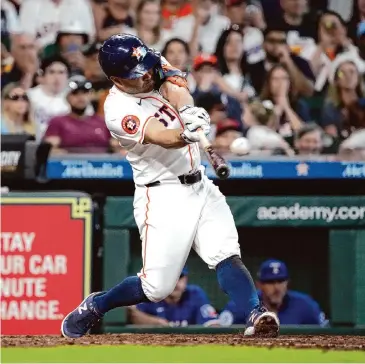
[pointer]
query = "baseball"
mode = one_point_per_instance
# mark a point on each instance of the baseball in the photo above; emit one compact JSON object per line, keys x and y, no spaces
{"x":240,"y":146}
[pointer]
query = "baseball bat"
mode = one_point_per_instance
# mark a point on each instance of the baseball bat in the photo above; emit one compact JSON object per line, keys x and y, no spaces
{"x":218,"y":163}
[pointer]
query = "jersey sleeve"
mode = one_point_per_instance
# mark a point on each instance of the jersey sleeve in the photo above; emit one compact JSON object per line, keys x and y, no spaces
{"x":127,"y":119}
{"x":205,"y":313}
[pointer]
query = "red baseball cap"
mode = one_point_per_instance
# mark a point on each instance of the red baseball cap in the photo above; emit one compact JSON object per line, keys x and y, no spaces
{"x":203,"y":59}
{"x":228,"y":124}
{"x":235,"y":2}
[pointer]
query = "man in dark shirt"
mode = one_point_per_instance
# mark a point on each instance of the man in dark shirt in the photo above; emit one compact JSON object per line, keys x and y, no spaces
{"x":292,"y":307}
{"x":78,"y":132}
{"x":278,"y":52}
{"x":294,"y":18}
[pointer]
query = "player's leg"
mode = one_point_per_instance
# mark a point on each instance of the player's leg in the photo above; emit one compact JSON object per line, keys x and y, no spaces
{"x":217,"y":244}
{"x":167,"y":230}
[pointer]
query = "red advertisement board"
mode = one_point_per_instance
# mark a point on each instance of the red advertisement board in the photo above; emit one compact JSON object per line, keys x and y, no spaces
{"x":44,"y":263}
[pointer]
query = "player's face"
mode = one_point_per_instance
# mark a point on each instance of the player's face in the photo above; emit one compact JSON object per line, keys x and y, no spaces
{"x":138,"y":86}
{"x":175,"y":296}
{"x":274,"y":292}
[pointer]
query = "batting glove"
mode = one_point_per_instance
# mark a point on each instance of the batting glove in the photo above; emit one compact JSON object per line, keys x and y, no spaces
{"x":191,"y":135}
{"x":194,"y":115}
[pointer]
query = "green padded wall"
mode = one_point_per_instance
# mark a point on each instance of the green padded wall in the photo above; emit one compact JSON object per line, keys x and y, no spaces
{"x":116,"y":266}
{"x":347,"y":268}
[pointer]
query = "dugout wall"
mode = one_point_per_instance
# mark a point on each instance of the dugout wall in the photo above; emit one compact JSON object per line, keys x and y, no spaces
{"x":321,"y":238}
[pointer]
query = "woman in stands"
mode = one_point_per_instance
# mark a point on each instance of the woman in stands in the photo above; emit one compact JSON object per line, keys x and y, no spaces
{"x":344,"y":110}
{"x":291,"y":112}
{"x":148,"y":24}
{"x":113,"y":17}
{"x":15,"y":115}
{"x":231,"y":61}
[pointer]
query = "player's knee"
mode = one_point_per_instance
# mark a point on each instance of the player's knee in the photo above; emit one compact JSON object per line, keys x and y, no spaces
{"x":157,"y":292}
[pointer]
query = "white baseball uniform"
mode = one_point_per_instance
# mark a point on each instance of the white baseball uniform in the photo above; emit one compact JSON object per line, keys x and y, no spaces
{"x":171,"y":217}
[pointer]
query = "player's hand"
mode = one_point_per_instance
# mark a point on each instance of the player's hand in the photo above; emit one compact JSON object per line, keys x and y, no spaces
{"x":193,"y":115}
{"x":191,"y":135}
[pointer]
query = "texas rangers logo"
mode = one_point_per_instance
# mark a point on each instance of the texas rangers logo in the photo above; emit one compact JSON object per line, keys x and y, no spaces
{"x":139,"y":52}
{"x":130,"y":124}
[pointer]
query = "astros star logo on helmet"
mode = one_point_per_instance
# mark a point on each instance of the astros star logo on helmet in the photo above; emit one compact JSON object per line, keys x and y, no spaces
{"x":139,"y":53}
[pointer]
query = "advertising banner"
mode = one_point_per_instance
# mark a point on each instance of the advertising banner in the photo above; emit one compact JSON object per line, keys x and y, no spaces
{"x":45,"y":261}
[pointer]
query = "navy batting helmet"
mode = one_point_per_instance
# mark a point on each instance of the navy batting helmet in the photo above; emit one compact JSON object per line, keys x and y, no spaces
{"x":126,"y":56}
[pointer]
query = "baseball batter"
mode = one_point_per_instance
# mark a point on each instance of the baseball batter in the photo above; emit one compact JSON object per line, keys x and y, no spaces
{"x":150,"y":112}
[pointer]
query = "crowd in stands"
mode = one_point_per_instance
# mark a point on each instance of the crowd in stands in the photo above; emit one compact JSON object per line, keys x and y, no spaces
{"x":278,"y":77}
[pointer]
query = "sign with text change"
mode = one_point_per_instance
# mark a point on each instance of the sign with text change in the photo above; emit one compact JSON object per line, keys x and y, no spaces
{"x":45,"y":261}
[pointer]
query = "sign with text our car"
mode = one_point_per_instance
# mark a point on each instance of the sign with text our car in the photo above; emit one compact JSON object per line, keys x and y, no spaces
{"x":45,"y":260}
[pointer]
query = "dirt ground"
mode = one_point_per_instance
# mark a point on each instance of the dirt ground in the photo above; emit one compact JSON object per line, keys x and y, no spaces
{"x":321,"y":342}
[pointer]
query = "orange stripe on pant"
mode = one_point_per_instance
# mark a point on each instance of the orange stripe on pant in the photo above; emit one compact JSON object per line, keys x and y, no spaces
{"x":146,"y":224}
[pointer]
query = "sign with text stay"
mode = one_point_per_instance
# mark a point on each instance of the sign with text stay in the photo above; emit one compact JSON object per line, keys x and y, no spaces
{"x":45,"y":261}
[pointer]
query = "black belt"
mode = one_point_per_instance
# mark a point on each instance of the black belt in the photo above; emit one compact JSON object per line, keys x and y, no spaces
{"x":185,"y":179}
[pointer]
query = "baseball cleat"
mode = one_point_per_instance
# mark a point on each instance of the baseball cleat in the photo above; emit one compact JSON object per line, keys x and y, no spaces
{"x":262,"y":323}
{"x":78,"y":322}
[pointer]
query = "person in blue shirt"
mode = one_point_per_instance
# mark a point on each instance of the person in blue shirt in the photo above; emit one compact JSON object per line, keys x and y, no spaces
{"x":292,"y":307}
{"x":187,"y":305}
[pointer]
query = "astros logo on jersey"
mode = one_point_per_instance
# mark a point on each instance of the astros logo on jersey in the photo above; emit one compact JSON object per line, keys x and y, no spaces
{"x":130,"y":124}
{"x":139,"y":53}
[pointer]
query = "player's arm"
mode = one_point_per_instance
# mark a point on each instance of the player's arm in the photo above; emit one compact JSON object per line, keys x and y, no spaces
{"x":138,"y":317}
{"x":157,"y":134}
{"x":177,"y":94}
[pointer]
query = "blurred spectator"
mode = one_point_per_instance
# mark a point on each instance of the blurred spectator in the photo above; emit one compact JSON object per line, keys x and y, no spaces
{"x":292,"y":307}
{"x":333,"y":40}
{"x":77,"y":131}
{"x":113,"y":17}
{"x":93,"y":73}
{"x":237,"y":12}
{"x":208,"y":79}
{"x":216,"y":109}
{"x":15,"y":114}
{"x":361,"y":39}
{"x":71,"y":39}
{"x":202,"y":28}
{"x":43,"y":18}
{"x":290,"y":111}
{"x":177,"y":53}
{"x":22,"y":62}
{"x":231,"y":62}
{"x":294,"y":19}
{"x":186,"y":305}
{"x":309,"y":140}
{"x":148,"y":24}
{"x":9,"y":22}
{"x":344,"y":110}
{"x":172,"y":10}
{"x":278,"y":51}
{"x":353,"y":148}
{"x":48,"y":98}
{"x":262,"y":130}
{"x":227,"y":132}
{"x":358,"y":16}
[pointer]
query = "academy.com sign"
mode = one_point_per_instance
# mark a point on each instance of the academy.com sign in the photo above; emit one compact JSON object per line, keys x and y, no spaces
{"x":320,"y":213}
